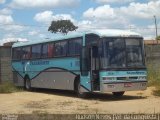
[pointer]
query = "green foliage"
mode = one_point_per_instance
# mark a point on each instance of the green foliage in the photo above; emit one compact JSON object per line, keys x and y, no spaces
{"x":154,"y":79}
{"x":153,"y":75}
{"x":62,"y":26}
{"x":8,"y":87}
{"x":158,"y":37}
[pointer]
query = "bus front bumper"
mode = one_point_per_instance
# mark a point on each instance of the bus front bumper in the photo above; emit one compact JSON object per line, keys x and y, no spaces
{"x":123,"y":86}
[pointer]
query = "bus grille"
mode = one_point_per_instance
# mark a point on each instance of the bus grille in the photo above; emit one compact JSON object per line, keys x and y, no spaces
{"x":127,"y":78}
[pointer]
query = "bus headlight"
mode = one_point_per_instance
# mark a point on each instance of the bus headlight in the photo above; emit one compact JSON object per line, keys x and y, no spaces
{"x":142,"y":77}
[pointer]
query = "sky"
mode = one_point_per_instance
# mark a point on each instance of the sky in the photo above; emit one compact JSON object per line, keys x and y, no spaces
{"x":23,"y":20}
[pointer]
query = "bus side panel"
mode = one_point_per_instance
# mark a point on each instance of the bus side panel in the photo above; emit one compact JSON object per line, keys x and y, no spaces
{"x":85,"y":83}
{"x":56,"y":73}
{"x":34,"y":67}
{"x":18,"y":73}
{"x":54,"y":79}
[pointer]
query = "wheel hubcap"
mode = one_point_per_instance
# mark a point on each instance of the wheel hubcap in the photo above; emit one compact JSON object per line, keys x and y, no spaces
{"x":27,"y":84}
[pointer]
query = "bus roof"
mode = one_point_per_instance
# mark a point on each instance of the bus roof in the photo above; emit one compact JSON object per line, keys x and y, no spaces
{"x":100,"y":33}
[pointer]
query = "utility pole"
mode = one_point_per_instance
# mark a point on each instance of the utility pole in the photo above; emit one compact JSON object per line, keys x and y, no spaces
{"x":155,"y":21}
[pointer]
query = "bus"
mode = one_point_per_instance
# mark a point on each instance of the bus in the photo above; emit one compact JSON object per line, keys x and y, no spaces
{"x":98,"y":61}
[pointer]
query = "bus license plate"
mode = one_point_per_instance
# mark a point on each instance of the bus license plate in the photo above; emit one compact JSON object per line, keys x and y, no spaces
{"x":127,"y":84}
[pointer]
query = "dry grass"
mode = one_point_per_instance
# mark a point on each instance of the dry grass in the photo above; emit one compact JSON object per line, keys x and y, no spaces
{"x":8,"y":87}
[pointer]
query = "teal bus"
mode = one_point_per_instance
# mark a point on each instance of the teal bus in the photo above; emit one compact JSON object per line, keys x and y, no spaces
{"x":97,"y":61}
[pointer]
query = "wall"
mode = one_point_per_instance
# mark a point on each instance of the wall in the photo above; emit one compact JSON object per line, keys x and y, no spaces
{"x":5,"y":64}
{"x":153,"y":55}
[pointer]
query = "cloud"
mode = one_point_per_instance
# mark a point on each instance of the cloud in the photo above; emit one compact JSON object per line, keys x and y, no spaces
{"x":141,"y":10}
{"x":32,"y":33}
{"x":7,"y":22}
{"x":5,"y":11}
{"x":148,"y":32}
{"x":101,"y":12}
{"x":2,"y":1}
{"x":14,"y":28}
{"x":6,"y":19}
{"x":47,"y":16}
{"x":124,"y":17}
{"x":44,"y":17}
{"x":113,"y":1}
{"x":12,"y":39}
{"x":43,"y":36}
{"x":43,"y":3}
{"x":132,"y":11}
{"x":105,"y":16}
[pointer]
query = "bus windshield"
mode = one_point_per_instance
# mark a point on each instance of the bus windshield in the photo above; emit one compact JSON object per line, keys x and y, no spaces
{"x":121,"y":52}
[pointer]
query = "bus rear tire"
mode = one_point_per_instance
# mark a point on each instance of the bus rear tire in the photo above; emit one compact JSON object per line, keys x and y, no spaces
{"x":80,"y":94}
{"x":28,"y":84}
{"x":118,"y":94}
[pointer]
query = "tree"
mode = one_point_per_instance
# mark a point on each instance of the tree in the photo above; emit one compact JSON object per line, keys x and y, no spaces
{"x":62,"y":26}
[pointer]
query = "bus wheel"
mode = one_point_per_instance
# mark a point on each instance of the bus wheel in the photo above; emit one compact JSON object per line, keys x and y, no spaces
{"x":118,"y":94}
{"x":79,"y":92}
{"x":27,"y":84}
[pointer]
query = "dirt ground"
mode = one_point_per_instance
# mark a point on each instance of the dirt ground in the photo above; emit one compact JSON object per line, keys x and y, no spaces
{"x":66,"y":102}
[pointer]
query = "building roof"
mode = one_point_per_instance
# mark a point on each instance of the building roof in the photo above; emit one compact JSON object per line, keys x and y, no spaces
{"x":151,"y":42}
{"x":101,"y":33}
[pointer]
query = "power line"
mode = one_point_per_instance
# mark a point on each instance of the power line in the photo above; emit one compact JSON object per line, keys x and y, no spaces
{"x":24,"y":25}
{"x":44,"y":26}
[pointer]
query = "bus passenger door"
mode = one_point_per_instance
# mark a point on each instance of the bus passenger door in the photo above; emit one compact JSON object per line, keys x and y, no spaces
{"x":85,"y":71}
{"x":90,"y":68}
{"x":94,"y":68}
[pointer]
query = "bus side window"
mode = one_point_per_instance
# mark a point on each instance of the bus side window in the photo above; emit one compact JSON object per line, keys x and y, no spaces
{"x":26,"y":52}
{"x":36,"y":51}
{"x":57,"y":49}
{"x":75,"y":46}
{"x":44,"y":50}
{"x":61,"y":48}
{"x":16,"y":53}
{"x":50,"y":50}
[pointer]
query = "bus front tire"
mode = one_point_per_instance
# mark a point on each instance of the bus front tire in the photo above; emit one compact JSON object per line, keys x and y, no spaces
{"x":118,"y":94}
{"x":28,"y":84}
{"x":80,"y":94}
